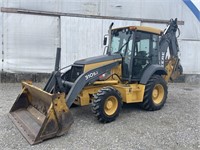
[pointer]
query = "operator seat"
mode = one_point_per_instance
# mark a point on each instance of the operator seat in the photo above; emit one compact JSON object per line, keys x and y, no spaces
{"x":139,"y":62}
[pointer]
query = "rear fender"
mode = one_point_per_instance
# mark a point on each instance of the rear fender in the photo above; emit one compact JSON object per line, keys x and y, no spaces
{"x":152,"y":69}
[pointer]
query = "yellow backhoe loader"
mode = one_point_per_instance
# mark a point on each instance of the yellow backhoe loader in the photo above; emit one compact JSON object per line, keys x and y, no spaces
{"x":133,"y":69}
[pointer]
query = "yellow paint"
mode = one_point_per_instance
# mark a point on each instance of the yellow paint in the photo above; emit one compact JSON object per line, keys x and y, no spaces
{"x":106,"y":82}
{"x":158,"y":94}
{"x":148,"y":29}
{"x":99,"y":64}
{"x":130,"y":93}
{"x":143,"y":28}
{"x":117,"y":70}
{"x":60,"y":104}
{"x":110,"y":105}
{"x":169,"y":68}
{"x":84,"y":97}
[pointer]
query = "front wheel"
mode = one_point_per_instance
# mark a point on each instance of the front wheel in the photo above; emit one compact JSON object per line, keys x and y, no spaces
{"x":107,"y":104}
{"x":155,"y":93}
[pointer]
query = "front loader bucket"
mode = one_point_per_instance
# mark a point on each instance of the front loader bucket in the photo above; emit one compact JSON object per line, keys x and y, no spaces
{"x":40,"y":115}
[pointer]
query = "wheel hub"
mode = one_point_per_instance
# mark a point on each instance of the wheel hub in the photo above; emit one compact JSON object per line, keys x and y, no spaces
{"x":155,"y":93}
{"x":158,"y":94}
{"x":110,"y":105}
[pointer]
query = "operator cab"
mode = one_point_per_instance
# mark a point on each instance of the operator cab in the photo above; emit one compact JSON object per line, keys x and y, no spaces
{"x":138,"y":47}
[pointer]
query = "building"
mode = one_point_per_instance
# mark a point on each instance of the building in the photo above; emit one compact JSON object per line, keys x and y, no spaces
{"x":32,"y":30}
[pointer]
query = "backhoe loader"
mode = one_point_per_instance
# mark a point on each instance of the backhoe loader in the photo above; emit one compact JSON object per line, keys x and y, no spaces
{"x":134,"y":69}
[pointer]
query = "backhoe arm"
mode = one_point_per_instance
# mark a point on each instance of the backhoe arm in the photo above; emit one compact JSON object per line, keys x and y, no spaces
{"x":169,"y":41}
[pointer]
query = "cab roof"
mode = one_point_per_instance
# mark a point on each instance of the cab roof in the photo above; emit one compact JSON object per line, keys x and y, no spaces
{"x":142,"y":28}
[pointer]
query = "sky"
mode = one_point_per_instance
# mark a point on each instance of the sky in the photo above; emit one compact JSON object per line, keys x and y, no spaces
{"x":196,"y":3}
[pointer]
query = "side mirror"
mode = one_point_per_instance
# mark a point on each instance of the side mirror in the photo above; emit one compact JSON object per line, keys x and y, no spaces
{"x":105,"y":40}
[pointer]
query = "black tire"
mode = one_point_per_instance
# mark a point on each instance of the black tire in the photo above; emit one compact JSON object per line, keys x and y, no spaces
{"x":100,"y":104}
{"x":155,"y":93}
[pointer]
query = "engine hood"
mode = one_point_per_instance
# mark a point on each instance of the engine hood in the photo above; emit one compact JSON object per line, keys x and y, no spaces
{"x":97,"y":59}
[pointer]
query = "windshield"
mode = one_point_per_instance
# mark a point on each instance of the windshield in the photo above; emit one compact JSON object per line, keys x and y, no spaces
{"x":121,"y":41}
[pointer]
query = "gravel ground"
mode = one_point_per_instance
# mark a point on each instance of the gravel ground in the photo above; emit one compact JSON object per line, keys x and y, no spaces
{"x":176,"y":126}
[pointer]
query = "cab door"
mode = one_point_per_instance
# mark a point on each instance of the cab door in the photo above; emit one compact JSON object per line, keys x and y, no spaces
{"x":145,"y":53}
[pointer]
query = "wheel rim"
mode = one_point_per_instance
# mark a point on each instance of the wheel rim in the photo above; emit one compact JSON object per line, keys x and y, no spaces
{"x":158,"y":94}
{"x":110,"y":105}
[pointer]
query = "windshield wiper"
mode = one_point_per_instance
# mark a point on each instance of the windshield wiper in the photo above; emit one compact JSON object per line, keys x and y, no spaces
{"x":124,"y":44}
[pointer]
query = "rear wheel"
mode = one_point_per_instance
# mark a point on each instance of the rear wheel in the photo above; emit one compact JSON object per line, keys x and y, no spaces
{"x":155,"y":93}
{"x":107,"y":104}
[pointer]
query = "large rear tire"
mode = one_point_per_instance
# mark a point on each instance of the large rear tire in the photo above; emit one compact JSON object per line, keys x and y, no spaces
{"x":155,"y":93}
{"x":107,"y":104}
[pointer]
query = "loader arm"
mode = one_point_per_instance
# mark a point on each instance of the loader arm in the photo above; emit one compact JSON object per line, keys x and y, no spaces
{"x":169,"y":41}
{"x":57,"y":84}
{"x":85,"y":79}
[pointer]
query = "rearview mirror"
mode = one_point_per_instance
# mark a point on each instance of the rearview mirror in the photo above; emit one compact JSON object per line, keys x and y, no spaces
{"x":105,"y":40}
